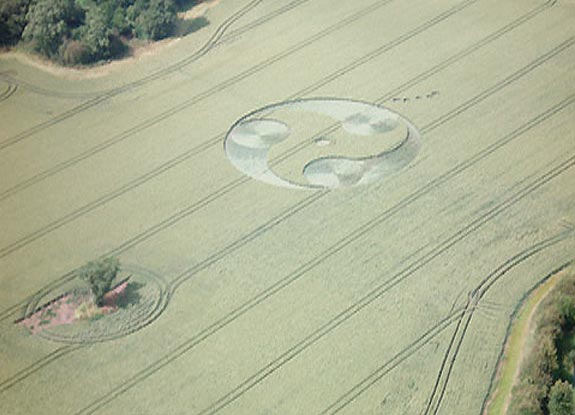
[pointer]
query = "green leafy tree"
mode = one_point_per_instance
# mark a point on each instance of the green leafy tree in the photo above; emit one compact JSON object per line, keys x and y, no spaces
{"x":49,"y":21}
{"x":12,"y":20}
{"x":100,"y":275}
{"x":561,"y":399}
{"x":155,"y":20}
{"x":96,"y":33}
{"x":567,"y":309}
{"x":85,"y":31}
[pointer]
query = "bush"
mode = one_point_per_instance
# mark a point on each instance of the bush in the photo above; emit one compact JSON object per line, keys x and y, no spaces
{"x":87,"y":311}
{"x":100,"y":275}
{"x":561,"y":399}
{"x":566,"y":307}
{"x":73,"y":52}
{"x":527,"y":398}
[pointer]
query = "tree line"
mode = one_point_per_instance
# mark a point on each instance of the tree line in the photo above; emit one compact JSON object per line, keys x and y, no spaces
{"x":545,"y":384}
{"x":75,"y":32}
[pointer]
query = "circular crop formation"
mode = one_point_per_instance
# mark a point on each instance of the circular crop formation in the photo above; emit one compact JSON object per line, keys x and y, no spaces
{"x":147,"y":299}
{"x":327,"y":124}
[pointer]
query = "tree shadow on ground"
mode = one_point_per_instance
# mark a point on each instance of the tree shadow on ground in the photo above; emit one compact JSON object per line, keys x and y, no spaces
{"x":183,"y":5}
{"x":132,"y":295}
{"x":185,"y":27}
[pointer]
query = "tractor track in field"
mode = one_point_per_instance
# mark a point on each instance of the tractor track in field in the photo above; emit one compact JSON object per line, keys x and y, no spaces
{"x":244,"y":75}
{"x":426,"y":129}
{"x":206,"y":94}
{"x":494,"y":376}
{"x":463,"y":318}
{"x":105,"y":95}
{"x":36,"y":366}
{"x":67,"y":277}
{"x":183,"y":157}
{"x":11,"y":88}
{"x":475,"y":296}
{"x":394,"y":362}
{"x":70,"y":275}
{"x":219,"y":37}
{"x":198,"y":98}
{"x":350,"y":311}
{"x":355,"y":308}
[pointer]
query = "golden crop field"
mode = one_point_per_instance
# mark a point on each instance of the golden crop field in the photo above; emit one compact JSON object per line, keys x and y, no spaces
{"x":328,"y":206}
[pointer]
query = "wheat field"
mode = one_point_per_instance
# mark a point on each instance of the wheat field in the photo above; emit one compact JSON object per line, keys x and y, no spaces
{"x":334,"y":207}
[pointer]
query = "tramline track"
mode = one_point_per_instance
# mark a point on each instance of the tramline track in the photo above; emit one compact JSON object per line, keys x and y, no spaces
{"x":439,"y":121}
{"x":193,"y":101}
{"x":428,"y":127}
{"x":211,"y":91}
{"x":7,"y":313}
{"x":462,"y":319}
{"x":336,"y":321}
{"x":300,"y":205}
{"x":475,"y":296}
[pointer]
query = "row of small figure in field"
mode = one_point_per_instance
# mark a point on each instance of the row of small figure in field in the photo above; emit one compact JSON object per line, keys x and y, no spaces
{"x":431,"y":95}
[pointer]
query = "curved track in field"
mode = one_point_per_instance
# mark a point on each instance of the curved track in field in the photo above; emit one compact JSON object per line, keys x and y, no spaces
{"x":461,"y":317}
{"x":444,"y":246}
{"x":412,"y":198}
{"x":222,"y":86}
{"x":9,"y":90}
{"x":426,"y":129}
{"x":473,"y":300}
{"x":235,"y":183}
{"x":218,"y":37}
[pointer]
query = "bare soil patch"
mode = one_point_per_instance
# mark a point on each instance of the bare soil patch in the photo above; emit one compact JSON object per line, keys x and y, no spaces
{"x":73,"y":307}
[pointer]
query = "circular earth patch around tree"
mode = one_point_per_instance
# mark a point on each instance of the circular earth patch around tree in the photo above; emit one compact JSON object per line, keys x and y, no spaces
{"x":145,"y":298}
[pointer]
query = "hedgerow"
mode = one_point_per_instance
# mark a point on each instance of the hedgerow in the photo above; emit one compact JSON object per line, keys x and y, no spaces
{"x":547,"y":368}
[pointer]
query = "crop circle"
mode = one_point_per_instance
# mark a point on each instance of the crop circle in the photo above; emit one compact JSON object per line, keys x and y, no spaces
{"x":250,"y":140}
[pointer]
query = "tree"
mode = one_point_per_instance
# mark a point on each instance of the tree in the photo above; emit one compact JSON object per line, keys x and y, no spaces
{"x":12,"y":20}
{"x":156,"y":19}
{"x":48,"y":22}
{"x":96,"y":33}
{"x":100,"y":275}
{"x":84,"y":31}
{"x":561,"y":399}
{"x":567,"y":309}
